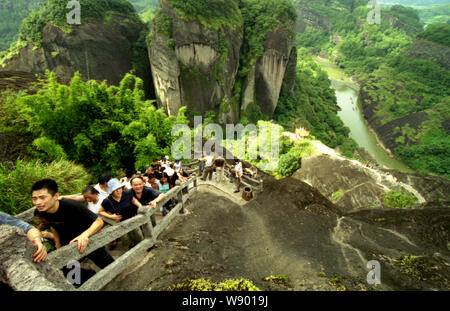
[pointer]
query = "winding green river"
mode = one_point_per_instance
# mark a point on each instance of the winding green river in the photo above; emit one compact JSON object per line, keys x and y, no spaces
{"x":347,"y":99}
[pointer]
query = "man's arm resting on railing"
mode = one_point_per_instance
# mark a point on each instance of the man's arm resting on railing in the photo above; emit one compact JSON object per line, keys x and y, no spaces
{"x":155,"y":202}
{"x":83,"y":238}
{"x":35,"y":236}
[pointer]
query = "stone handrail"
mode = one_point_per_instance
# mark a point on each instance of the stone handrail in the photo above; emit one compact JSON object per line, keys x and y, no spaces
{"x":254,"y":184}
{"x":144,"y":220}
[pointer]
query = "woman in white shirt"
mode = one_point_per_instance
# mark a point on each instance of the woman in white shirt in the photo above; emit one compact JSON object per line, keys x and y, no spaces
{"x":93,"y":198}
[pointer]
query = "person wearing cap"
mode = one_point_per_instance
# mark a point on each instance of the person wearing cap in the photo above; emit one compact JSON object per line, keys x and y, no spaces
{"x":121,"y":205}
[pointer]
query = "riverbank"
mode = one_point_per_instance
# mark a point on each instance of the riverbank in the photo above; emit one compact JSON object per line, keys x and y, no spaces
{"x":347,"y":93}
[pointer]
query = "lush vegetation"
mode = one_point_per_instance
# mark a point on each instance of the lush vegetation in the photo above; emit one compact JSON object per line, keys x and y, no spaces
{"x":399,"y":198}
{"x":259,"y":17}
{"x":397,"y":83}
{"x":103,"y":128}
{"x":211,"y":13}
{"x":435,"y":14}
{"x":145,"y":8}
{"x":439,"y":33}
{"x":312,"y":104}
{"x":12,"y":12}
{"x":207,"y":285}
{"x":16,"y":181}
{"x":55,"y":12}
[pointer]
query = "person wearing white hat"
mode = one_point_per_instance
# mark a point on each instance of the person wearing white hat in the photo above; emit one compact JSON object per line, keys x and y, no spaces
{"x":121,"y":205}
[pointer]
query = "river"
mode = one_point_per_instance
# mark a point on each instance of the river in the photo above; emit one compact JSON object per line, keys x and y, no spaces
{"x":347,"y":100}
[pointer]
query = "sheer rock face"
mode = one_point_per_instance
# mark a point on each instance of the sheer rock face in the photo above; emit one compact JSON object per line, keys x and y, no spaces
{"x":273,"y":69}
{"x":354,"y":186}
{"x":196,"y":66}
{"x":308,"y":18}
{"x":189,"y":68}
{"x":98,"y":50}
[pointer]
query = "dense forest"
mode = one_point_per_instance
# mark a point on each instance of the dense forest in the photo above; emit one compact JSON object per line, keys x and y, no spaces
{"x":399,"y":85}
{"x":439,"y":13}
{"x":413,"y":2}
{"x":12,"y":12}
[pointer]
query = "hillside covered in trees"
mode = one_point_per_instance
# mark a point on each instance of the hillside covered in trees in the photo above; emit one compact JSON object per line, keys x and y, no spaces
{"x":403,"y":71}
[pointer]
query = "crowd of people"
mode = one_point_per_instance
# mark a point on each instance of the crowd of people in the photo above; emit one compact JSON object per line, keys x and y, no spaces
{"x":62,"y":220}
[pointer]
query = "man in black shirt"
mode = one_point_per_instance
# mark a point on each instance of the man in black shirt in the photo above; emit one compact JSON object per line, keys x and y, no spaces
{"x":70,"y":221}
{"x":146,"y":195}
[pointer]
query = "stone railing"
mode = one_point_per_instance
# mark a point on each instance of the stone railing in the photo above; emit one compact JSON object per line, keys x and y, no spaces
{"x":255,"y":184}
{"x":62,"y":256}
{"x":22,"y":274}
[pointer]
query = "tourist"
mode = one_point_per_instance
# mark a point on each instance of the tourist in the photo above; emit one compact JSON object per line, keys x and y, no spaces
{"x":126,"y":180}
{"x":92,"y":197}
{"x":154,"y":183}
{"x":69,"y":220}
{"x":238,"y":173}
{"x":32,"y":233}
{"x":183,"y":176}
{"x":209,"y":169}
{"x":252,"y":171}
{"x":146,"y":195}
{"x":43,"y":226}
{"x":177,"y":165}
{"x":164,"y":187}
{"x":102,"y":186}
{"x":119,"y":206}
{"x":219,"y":165}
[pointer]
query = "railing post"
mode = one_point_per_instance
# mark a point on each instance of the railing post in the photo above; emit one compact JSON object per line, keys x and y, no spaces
{"x":147,"y":228}
{"x":180,"y":200}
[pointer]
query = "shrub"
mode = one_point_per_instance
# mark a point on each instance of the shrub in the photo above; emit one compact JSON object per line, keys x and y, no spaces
{"x":399,"y":198}
{"x":288,"y":164}
{"x":206,"y":285}
{"x":15,"y":183}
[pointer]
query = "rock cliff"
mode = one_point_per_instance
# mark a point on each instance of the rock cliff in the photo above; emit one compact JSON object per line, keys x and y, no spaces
{"x":353,"y":186}
{"x":98,"y":50}
{"x":192,"y":64}
{"x":274,"y":67}
{"x":195,"y":63}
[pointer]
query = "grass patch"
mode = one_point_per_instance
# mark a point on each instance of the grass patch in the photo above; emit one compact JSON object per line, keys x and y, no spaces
{"x":337,"y":195}
{"x":207,"y":285}
{"x":410,"y":265}
{"x":399,"y":198}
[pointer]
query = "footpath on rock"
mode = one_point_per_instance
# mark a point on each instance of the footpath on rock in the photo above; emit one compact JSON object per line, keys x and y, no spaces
{"x":292,"y":230}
